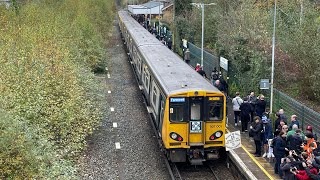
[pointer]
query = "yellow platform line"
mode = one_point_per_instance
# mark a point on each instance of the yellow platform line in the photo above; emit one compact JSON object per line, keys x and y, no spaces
{"x":255,"y":161}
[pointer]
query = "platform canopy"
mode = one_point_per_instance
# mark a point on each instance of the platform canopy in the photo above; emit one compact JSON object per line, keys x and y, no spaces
{"x":151,"y":7}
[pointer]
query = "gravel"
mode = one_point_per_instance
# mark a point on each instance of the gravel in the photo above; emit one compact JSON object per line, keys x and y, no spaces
{"x":139,"y":156}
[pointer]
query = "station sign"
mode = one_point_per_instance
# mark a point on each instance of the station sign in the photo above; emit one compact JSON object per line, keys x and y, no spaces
{"x":264,"y":84}
{"x":224,"y":63}
{"x":233,"y":140}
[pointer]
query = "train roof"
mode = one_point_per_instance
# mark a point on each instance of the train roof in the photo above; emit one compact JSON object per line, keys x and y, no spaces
{"x":174,"y":75}
{"x":172,"y":72}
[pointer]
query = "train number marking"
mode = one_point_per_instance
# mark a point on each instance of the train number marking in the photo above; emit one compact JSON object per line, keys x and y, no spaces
{"x":215,"y":126}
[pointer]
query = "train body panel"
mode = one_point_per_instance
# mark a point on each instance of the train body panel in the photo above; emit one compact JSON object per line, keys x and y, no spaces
{"x":188,"y":112}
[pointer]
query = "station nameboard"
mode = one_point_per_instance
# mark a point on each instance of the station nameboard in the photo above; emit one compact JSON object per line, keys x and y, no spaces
{"x":224,"y":63}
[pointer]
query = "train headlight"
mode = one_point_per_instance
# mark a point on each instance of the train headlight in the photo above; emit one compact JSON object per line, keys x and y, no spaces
{"x":174,"y":136}
{"x":218,"y":134}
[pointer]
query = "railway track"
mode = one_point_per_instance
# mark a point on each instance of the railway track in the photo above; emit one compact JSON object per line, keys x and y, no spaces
{"x":184,"y":172}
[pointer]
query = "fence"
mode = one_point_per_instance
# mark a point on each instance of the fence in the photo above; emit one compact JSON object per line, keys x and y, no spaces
{"x":209,"y":61}
{"x":306,"y":116}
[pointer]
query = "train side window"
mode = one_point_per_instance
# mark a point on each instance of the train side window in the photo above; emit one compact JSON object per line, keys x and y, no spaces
{"x":139,"y":64}
{"x":154,"y":97}
{"x":146,"y":78}
{"x":134,"y":54}
{"x":215,"y":109}
{"x":178,"y":110}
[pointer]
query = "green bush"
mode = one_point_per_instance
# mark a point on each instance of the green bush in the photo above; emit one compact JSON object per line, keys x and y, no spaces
{"x":25,"y":154}
{"x":49,"y":51}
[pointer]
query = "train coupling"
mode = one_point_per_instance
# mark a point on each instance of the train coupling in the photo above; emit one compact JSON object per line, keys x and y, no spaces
{"x":196,"y":156}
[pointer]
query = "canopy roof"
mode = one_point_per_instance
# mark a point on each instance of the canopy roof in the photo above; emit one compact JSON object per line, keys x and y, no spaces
{"x":151,"y":7}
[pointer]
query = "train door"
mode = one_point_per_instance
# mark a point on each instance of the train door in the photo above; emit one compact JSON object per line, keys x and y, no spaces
{"x":196,"y":125}
{"x":162,"y":106}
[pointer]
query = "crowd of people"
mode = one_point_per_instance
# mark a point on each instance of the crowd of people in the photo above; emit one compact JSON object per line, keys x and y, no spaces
{"x":296,"y":152}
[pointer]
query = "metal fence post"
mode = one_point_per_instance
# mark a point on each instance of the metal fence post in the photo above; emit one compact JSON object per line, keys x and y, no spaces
{"x":303,"y":117}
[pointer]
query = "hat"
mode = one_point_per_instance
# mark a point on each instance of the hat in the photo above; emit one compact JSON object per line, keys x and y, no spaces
{"x":264,"y":119}
{"x":294,"y":116}
{"x":309,"y":128}
{"x":309,"y":135}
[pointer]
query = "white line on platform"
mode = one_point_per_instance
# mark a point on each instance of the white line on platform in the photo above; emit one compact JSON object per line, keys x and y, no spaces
{"x":118,"y":145}
{"x":112,"y":109}
{"x":109,"y":92}
{"x":114,"y":124}
{"x":108,"y":75}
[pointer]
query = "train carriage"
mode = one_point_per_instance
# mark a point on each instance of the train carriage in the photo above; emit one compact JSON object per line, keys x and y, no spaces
{"x":188,"y":112}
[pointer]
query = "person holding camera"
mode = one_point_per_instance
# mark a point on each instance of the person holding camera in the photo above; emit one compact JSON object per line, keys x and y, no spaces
{"x":302,"y":174}
{"x":287,"y":166}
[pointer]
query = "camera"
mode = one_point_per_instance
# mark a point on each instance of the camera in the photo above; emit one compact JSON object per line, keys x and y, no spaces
{"x":293,"y":169}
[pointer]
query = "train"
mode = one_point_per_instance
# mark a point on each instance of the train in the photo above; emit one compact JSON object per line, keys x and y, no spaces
{"x":188,"y":112}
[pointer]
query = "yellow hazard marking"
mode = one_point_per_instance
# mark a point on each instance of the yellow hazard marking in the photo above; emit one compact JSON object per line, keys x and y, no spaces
{"x":258,"y":164}
{"x":255,"y":161}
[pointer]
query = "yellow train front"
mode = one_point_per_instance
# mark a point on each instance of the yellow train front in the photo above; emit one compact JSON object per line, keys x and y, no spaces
{"x":194,"y":126}
{"x":188,"y":112}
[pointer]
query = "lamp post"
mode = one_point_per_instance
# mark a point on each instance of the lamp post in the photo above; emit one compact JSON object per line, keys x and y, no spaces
{"x":202,"y":24}
{"x":273,"y":47}
{"x":159,"y":20}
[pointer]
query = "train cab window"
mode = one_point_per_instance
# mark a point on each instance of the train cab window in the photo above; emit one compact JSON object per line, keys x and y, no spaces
{"x":178,"y":110}
{"x":215,"y":109}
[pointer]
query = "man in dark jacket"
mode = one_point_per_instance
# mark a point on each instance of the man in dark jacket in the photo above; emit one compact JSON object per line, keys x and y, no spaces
{"x":261,"y":106}
{"x":276,"y":123}
{"x":256,"y":129}
{"x":279,"y":151}
{"x":245,"y":109}
{"x":252,"y":99}
{"x":295,"y":141}
{"x":202,"y":72}
{"x":286,"y":166}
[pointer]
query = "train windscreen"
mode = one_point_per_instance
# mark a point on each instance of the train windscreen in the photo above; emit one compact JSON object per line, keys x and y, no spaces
{"x":215,"y":109}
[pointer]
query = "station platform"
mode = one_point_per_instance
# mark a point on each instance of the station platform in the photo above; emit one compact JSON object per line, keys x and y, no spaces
{"x":252,"y":167}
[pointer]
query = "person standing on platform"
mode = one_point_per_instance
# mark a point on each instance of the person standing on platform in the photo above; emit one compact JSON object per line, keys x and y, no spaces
{"x":294,"y":121}
{"x":267,"y":134}
{"x":252,"y":99}
{"x":245,"y":109}
{"x":237,"y":101}
{"x":169,"y":43}
{"x":202,"y":72}
{"x":256,"y":129}
{"x":279,"y":151}
{"x":261,"y":106}
{"x":187,"y":56}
